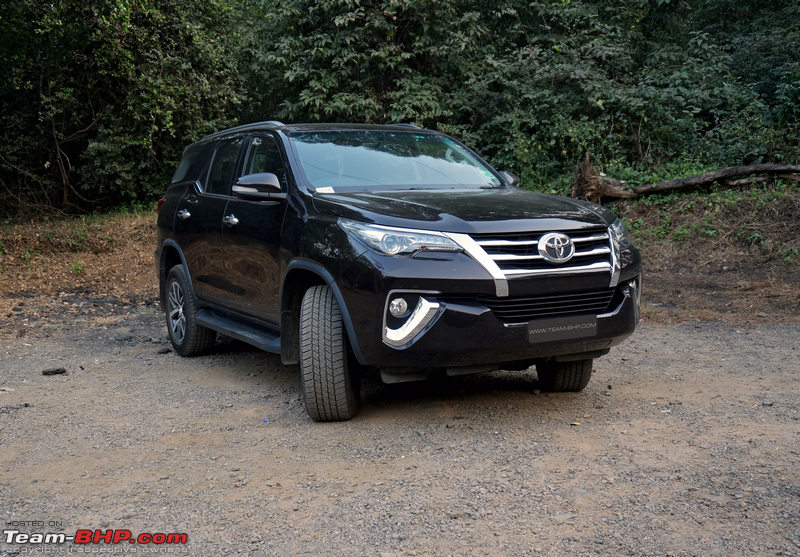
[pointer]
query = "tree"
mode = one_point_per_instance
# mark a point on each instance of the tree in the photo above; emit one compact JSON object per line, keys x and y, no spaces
{"x":104,"y":96}
{"x":101,"y":98}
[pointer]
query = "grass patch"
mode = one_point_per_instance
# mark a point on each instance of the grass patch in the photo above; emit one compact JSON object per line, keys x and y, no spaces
{"x":757,"y":224}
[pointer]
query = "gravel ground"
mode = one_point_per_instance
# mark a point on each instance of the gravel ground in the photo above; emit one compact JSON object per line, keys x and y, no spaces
{"x":685,"y":442}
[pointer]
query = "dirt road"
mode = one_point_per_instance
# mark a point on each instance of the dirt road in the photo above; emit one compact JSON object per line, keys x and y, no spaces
{"x":686,"y":442}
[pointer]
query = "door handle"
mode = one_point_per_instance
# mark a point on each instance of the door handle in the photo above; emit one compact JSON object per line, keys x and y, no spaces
{"x":183,"y":214}
{"x":230,"y":220}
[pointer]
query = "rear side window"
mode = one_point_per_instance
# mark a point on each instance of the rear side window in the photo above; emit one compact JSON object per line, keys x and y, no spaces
{"x":223,"y":167}
{"x":194,"y":164}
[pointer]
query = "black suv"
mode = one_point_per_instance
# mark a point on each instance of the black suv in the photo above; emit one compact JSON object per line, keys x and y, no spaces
{"x":349,"y":247}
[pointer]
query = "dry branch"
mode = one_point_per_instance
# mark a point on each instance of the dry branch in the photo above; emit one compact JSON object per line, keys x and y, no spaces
{"x":587,"y":184}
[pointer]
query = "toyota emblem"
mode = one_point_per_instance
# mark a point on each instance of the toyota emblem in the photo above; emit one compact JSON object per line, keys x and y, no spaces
{"x":556,"y":247}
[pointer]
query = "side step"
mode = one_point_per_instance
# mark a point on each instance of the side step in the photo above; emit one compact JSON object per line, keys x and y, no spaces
{"x":258,"y":337}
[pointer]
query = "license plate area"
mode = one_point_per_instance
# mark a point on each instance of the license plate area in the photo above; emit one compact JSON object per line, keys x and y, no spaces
{"x":562,"y":328}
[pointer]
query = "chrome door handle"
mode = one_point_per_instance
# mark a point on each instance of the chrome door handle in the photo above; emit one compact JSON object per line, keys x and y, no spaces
{"x":183,"y":214}
{"x":230,"y":220}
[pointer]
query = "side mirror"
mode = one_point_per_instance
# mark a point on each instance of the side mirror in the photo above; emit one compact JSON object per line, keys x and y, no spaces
{"x":261,"y":186}
{"x":512,"y":179}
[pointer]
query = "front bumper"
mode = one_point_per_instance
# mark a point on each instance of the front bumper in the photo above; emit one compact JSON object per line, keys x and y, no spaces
{"x":457,"y":330}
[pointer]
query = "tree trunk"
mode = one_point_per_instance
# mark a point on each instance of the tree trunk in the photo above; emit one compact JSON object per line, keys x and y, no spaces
{"x":587,"y":184}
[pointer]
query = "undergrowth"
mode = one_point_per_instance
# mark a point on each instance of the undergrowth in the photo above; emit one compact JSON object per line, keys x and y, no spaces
{"x":761,"y":223}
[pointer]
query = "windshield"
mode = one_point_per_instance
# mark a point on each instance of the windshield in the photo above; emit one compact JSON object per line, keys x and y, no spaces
{"x":368,"y":159}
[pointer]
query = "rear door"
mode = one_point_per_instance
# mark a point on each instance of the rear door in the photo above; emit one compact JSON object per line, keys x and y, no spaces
{"x":198,"y":221}
{"x":251,"y":238}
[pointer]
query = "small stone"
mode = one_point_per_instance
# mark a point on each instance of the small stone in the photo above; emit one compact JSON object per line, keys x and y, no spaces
{"x":54,"y":371}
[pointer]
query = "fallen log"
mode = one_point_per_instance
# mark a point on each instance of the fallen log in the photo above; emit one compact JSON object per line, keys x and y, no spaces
{"x":588,"y":184}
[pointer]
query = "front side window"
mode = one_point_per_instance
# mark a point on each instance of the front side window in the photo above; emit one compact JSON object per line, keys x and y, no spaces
{"x":224,"y":166}
{"x":367,"y":159}
{"x":264,"y":156}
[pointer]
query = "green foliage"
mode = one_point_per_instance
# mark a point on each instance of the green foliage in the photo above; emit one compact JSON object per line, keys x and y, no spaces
{"x":77,"y":267}
{"x":535,"y":85}
{"x":101,"y":98}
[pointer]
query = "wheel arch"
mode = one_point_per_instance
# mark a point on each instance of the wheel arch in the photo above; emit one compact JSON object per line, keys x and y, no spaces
{"x":171,"y":255}
{"x":301,"y":274}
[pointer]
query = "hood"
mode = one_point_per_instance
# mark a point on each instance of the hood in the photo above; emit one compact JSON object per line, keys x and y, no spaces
{"x":466,"y":211}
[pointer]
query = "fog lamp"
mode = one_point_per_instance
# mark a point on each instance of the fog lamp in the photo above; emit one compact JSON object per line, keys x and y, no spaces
{"x":398,"y":307}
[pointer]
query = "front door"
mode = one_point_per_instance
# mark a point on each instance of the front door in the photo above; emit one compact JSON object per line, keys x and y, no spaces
{"x":251,"y":239}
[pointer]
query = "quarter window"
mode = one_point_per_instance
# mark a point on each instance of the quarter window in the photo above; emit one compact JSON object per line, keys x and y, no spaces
{"x":194,"y":164}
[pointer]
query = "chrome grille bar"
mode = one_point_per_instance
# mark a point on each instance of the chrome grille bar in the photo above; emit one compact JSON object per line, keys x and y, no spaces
{"x":513,"y":257}
{"x":603,"y":266}
{"x":516,"y":255}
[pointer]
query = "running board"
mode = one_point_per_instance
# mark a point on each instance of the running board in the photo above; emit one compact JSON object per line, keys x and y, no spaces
{"x":258,"y":337}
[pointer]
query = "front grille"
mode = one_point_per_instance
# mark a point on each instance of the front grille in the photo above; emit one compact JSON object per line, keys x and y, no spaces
{"x":517,"y":254}
{"x":520,"y":309}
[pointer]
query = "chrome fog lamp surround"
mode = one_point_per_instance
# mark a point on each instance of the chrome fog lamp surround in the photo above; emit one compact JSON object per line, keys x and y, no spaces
{"x":635,"y":287}
{"x":420,"y":318}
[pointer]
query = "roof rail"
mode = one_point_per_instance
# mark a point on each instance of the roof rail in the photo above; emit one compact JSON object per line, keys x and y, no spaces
{"x":245,"y":127}
{"x":405,"y":125}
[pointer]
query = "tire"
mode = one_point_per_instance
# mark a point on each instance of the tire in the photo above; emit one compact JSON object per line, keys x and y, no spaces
{"x":180,"y":307}
{"x":564,"y":376}
{"x":331,"y":390}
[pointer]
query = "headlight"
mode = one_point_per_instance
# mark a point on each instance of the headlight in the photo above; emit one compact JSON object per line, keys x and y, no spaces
{"x":620,"y":234}
{"x":395,"y":241}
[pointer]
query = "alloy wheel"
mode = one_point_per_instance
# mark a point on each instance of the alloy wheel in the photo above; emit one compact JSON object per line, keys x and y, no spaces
{"x":177,"y":319}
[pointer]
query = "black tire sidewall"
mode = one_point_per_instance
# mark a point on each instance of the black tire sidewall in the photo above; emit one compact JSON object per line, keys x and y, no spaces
{"x":331,"y":390}
{"x":196,"y":338}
